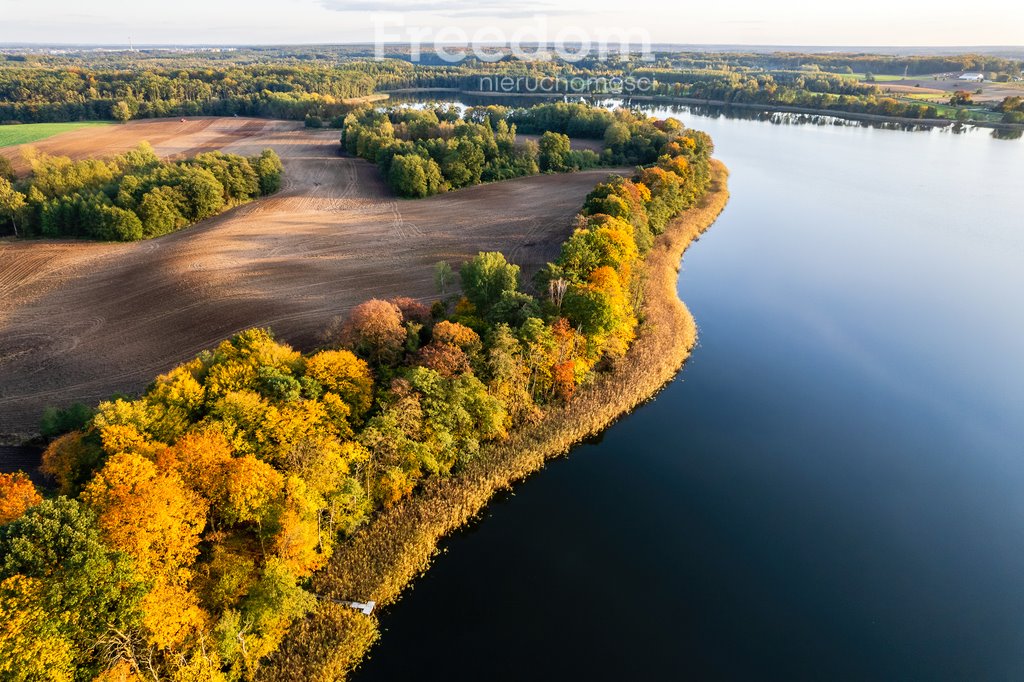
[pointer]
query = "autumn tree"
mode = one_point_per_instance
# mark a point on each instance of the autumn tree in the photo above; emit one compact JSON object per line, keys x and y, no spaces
{"x":121,"y":111}
{"x":457,"y":335}
{"x":70,"y":461}
{"x":53,"y":557}
{"x":341,"y":372}
{"x":299,"y":541}
{"x":12,"y":202}
{"x":236,"y":364}
{"x":34,"y":643}
{"x":961,"y":98}
{"x":17,"y":495}
{"x":412,"y":310}
{"x":155,"y":519}
{"x":374,"y":328}
{"x":7,"y":169}
{"x":507,"y":375}
{"x":444,"y":358}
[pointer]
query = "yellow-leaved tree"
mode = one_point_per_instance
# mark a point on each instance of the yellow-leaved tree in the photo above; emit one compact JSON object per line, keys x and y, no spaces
{"x":17,"y":494}
{"x":157,"y":520}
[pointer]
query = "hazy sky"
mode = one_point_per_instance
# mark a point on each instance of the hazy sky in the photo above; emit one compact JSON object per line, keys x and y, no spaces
{"x":785,"y":22}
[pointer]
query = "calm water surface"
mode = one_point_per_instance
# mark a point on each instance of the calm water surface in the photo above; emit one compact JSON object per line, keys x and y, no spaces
{"x":833,"y":488}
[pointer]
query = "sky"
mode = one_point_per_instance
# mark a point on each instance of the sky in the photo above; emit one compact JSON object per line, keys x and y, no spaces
{"x":776,"y":22}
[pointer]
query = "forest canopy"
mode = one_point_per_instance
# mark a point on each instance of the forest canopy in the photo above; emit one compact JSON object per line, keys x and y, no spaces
{"x":322,"y":84}
{"x":132,"y":196}
{"x":187,"y":521}
{"x":422,"y":152}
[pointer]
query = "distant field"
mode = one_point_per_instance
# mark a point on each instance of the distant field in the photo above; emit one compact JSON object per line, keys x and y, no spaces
{"x":24,"y":133}
{"x":879,"y":77}
{"x":947,"y":111}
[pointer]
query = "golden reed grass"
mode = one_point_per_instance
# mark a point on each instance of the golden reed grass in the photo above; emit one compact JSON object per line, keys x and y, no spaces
{"x":397,"y":546}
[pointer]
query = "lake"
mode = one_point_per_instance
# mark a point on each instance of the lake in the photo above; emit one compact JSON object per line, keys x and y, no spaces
{"x":832,"y":488}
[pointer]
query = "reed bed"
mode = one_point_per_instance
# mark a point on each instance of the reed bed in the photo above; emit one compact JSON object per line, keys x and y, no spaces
{"x":381,"y":560}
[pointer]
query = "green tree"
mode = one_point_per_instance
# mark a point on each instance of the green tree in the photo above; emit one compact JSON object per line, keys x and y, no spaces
{"x":205,"y":195}
{"x":11,"y":202}
{"x":589,"y":309}
{"x":269,"y":169}
{"x":235,"y":174}
{"x":56,"y":422}
{"x":554,"y":150}
{"x":158,"y":213}
{"x":486,"y":277}
{"x":463,"y":163}
{"x":443,"y":275}
{"x":87,"y":588}
{"x":616,"y":135}
{"x":7,"y":170}
{"x":118,"y":224}
{"x":121,"y":112}
{"x":412,"y":175}
{"x":458,"y":415}
{"x":407,"y":176}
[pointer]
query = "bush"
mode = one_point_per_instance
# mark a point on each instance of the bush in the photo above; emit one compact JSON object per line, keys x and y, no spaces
{"x":56,"y":422}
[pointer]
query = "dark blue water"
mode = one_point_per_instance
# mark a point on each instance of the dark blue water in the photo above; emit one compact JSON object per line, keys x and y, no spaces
{"x":833,"y":488}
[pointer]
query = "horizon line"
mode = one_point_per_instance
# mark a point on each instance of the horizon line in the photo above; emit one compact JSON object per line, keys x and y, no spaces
{"x":9,"y":45}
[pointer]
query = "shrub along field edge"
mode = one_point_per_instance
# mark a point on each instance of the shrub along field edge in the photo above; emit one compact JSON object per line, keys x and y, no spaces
{"x":395,"y":548}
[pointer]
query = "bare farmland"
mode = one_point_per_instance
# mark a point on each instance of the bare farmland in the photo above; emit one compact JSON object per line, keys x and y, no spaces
{"x":81,"y":321}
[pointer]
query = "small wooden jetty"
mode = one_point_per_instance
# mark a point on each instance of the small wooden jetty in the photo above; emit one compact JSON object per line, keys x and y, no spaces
{"x":365,"y":607}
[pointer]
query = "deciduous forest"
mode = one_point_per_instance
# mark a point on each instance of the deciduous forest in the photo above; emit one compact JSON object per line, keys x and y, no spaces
{"x":131,"y":196}
{"x":188,"y":520}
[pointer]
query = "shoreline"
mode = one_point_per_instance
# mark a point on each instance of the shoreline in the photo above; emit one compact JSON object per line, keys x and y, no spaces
{"x":381,"y":560}
{"x":750,"y":106}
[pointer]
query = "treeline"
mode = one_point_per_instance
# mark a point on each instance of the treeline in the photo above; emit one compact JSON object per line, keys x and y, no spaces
{"x":1012,"y":109}
{"x":629,"y":137}
{"x":426,"y":152}
{"x":882,"y":64}
{"x":896,"y":65}
{"x":811,"y":91}
{"x":190,"y":519}
{"x":43,"y":95}
{"x":313,"y":83}
{"x":422,"y":152}
{"x":131,"y":196}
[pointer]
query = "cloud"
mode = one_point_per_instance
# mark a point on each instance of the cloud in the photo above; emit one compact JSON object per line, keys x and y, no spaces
{"x":453,"y":8}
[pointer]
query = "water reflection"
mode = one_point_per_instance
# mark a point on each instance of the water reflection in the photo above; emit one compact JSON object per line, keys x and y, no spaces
{"x":831,"y":489}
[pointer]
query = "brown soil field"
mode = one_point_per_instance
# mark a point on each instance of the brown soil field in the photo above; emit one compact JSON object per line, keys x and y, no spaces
{"x":170,"y":137}
{"x":990,"y":92}
{"x":81,"y":321}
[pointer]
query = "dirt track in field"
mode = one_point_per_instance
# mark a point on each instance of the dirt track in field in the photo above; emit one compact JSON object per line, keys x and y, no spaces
{"x":81,"y":321}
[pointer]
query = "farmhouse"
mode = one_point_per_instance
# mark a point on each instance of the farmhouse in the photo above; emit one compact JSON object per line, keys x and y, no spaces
{"x":973,"y":77}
